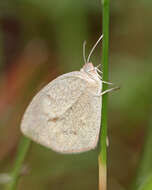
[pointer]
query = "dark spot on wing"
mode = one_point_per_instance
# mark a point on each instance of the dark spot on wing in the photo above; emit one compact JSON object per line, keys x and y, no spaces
{"x":54,"y":119}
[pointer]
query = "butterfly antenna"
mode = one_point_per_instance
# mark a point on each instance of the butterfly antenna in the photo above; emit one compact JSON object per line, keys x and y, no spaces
{"x":95,"y":45}
{"x":84,"y":52}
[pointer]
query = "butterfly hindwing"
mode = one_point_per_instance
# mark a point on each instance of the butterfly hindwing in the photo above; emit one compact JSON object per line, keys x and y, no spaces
{"x":64,"y":115}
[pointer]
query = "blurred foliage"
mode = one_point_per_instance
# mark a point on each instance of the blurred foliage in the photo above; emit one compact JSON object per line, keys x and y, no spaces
{"x":40,"y":40}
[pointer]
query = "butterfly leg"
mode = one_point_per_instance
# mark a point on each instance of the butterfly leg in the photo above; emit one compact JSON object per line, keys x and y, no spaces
{"x":105,"y":82}
{"x":108,"y":90}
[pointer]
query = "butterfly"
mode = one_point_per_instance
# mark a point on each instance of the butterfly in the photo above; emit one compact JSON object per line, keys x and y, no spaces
{"x":66,"y":114}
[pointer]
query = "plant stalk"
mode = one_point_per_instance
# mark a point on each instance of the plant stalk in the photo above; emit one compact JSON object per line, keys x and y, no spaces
{"x":21,"y":153}
{"x":144,"y":173}
{"x":103,"y":134}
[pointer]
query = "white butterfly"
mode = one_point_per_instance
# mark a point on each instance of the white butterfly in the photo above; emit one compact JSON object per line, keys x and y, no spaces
{"x":66,"y":114}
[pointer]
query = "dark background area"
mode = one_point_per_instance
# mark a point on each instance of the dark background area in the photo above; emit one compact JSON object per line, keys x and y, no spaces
{"x":39,"y":40}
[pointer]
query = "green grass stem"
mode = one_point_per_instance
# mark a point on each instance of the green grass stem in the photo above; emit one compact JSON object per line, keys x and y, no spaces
{"x":103,"y":134}
{"x":21,"y":153}
{"x":143,"y":179}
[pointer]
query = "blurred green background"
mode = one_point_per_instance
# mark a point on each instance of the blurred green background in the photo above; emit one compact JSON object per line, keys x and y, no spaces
{"x":39,"y":40}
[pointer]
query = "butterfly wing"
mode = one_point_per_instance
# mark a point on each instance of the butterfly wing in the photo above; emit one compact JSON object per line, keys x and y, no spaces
{"x":64,"y":115}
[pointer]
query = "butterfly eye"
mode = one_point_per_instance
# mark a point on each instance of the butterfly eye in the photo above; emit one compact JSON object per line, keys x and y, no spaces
{"x":93,"y":69}
{"x":87,"y":70}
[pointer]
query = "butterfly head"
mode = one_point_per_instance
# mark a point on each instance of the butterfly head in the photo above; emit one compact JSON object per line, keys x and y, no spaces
{"x":91,"y":71}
